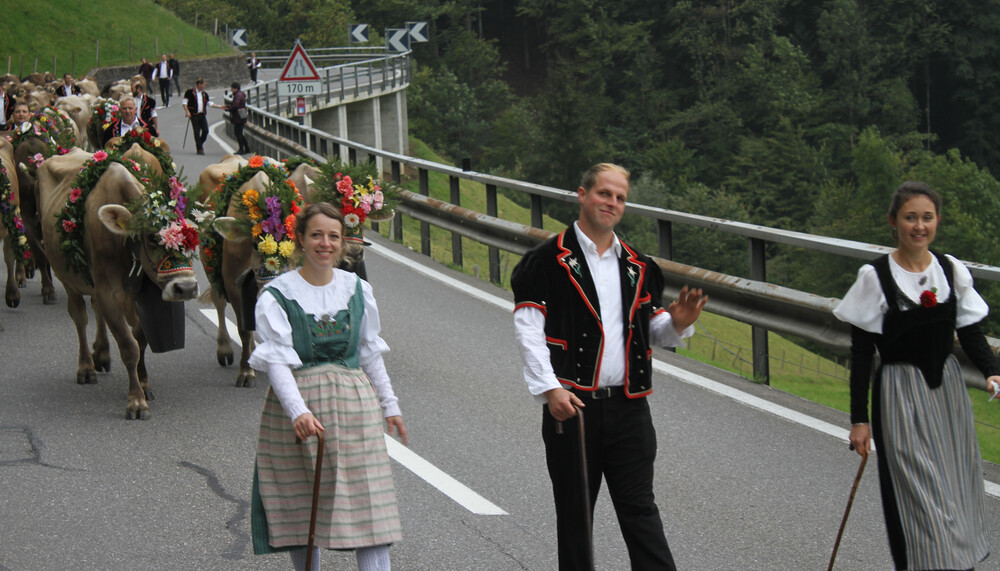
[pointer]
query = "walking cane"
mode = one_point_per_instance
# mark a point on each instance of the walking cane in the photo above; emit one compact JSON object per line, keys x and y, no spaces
{"x":186,"y":132}
{"x":315,"y":503}
{"x":843,"y":522}
{"x":586,"y":485}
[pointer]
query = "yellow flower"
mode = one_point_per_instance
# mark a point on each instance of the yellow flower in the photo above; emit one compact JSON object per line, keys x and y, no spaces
{"x":286,"y":248}
{"x":267,"y":246}
{"x":250,"y":198}
{"x":22,"y":240}
{"x":257,"y":229}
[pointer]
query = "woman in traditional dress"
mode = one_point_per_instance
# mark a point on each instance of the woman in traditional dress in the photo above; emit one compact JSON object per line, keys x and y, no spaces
{"x":909,"y":304}
{"x":319,"y":342}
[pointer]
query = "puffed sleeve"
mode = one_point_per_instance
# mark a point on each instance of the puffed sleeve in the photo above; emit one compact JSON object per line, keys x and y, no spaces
{"x":274,"y":336}
{"x":971,"y":307}
{"x":370,"y":349}
{"x":864,"y":305}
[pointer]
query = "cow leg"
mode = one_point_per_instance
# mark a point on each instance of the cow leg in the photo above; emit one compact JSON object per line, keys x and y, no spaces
{"x":223,"y":344}
{"x":136,"y":407}
{"x":48,"y":289}
{"x":102,"y":351}
{"x":11,"y":295}
{"x":21,"y":272}
{"x":85,"y":364}
{"x":140,"y":369}
{"x":247,"y":377}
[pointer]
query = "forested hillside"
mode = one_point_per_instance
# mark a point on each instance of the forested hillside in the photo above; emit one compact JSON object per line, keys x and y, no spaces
{"x":799,"y":115}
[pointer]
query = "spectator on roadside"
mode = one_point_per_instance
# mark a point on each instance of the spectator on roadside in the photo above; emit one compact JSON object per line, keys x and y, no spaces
{"x":253,"y":64}
{"x":146,"y":70}
{"x":147,"y":108}
{"x":127,"y":121}
{"x":67,"y":87}
{"x":163,"y":73}
{"x":238,"y":117}
{"x":196,"y":104}
{"x":175,"y":68}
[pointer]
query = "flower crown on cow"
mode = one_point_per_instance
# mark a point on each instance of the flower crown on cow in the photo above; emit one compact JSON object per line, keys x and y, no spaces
{"x":165,"y":211}
{"x":10,"y":216}
{"x":272,"y":214}
{"x":52,"y":133}
{"x":356,"y":190}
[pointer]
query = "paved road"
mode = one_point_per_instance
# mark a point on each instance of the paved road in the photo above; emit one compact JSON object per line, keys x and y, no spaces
{"x":82,"y":488}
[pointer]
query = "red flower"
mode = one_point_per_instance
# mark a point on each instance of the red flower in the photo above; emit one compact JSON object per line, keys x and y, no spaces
{"x":190,"y":238}
{"x":928,"y":298}
{"x":68,"y":226}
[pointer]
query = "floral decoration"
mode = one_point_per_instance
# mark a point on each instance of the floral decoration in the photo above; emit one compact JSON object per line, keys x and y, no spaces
{"x":40,"y":128}
{"x":292,"y":163}
{"x":103,"y":113}
{"x":10,"y":215}
{"x":150,"y":144}
{"x":271,"y":223}
{"x":60,"y":127}
{"x":251,"y":202}
{"x":70,"y":221}
{"x":928,"y":298}
{"x":165,"y":211}
{"x":358,"y":193}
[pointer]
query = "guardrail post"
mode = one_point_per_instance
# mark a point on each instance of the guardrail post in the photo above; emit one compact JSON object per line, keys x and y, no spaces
{"x":456,"y":199}
{"x":758,"y":272}
{"x":425,"y":227}
{"x":491,"y":210}
{"x":397,"y":218}
{"x":537,"y":215}
{"x":665,"y":229}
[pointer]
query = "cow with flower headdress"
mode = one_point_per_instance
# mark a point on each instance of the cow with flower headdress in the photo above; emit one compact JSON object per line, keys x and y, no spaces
{"x":249,"y":241}
{"x":122,"y":227}
{"x":15,"y":244}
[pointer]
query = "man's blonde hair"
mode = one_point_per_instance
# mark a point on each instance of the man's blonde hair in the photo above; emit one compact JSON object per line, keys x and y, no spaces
{"x":590,"y":177}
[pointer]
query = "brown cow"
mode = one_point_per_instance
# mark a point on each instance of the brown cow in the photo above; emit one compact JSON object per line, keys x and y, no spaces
{"x":110,"y":262}
{"x":11,"y":294}
{"x":28,"y":194}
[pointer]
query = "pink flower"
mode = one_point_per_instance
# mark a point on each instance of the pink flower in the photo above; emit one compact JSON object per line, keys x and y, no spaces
{"x":37,"y":159}
{"x":345,"y":186}
{"x":114,"y":108}
{"x":68,"y":226}
{"x":172,"y":236}
{"x":100,"y":156}
{"x":366,"y":202}
{"x":378,"y":200}
{"x":74,"y":194}
{"x":176,"y":188}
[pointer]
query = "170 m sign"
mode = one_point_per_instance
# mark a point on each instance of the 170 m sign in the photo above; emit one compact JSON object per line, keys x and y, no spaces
{"x":295,"y":88}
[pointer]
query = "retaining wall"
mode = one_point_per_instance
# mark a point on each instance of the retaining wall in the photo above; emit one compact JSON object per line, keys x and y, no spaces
{"x":219,"y":72}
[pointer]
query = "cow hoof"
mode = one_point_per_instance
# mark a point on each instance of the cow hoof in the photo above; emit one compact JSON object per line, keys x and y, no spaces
{"x":149,"y":394}
{"x":102,"y":363}
{"x":245,"y":381}
{"x":224,"y":359}
{"x":141,"y":414}
{"x":86,"y":377}
{"x":13,"y":300}
{"x":22,"y":283}
{"x":48,"y":298}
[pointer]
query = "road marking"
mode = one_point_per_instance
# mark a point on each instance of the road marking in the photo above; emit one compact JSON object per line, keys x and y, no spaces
{"x":221,"y":142}
{"x":457,"y":491}
{"x":689,"y":377}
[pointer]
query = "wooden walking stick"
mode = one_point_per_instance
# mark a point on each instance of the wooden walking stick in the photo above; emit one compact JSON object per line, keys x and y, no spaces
{"x":586,"y":484}
{"x":315,"y":502}
{"x":843,"y":522}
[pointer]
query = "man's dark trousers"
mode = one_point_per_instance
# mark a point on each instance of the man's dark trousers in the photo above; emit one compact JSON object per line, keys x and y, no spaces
{"x":165,"y":91}
{"x":621,"y":446}
{"x":199,"y":124}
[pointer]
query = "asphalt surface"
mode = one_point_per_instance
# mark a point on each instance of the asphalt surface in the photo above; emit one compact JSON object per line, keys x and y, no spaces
{"x":82,"y":488}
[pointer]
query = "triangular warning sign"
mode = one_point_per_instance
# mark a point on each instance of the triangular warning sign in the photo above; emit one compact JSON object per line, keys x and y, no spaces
{"x":299,"y":67}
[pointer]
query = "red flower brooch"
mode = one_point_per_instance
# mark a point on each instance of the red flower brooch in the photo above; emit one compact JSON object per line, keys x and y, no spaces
{"x":929,"y":297}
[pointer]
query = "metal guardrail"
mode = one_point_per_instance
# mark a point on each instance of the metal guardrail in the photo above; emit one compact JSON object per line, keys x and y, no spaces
{"x":766,"y":307}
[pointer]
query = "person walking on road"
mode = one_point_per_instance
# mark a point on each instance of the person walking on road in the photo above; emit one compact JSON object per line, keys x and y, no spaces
{"x":163,"y":73}
{"x":196,"y":104}
{"x":238,"y":117}
{"x":146,"y":70}
{"x":587,"y":310}
{"x":319,"y":342}
{"x":910,"y":304}
{"x":253,"y":64}
{"x":175,"y":73}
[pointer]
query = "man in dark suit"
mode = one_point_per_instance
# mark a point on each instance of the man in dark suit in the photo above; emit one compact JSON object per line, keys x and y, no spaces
{"x":175,"y":68}
{"x":196,"y":104}
{"x":146,"y":70}
{"x":127,"y":120}
{"x":163,"y":73}
{"x":67,"y":87}
{"x":588,"y":307}
{"x":147,"y":108}
{"x":253,"y":64}
{"x":238,"y":117}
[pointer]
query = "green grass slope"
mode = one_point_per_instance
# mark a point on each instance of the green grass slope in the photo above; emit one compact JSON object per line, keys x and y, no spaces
{"x":77,"y":32}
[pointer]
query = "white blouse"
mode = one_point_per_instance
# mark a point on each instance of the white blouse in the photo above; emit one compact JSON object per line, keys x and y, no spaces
{"x":275,"y":354}
{"x":864,"y":305}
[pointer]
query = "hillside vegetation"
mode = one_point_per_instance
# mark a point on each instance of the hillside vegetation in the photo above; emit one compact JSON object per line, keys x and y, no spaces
{"x":77,"y":33}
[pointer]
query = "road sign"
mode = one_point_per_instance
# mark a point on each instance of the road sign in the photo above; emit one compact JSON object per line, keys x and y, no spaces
{"x":240,"y":37}
{"x":357,"y":33}
{"x":418,"y":31}
{"x":300,"y":105}
{"x":299,"y":76}
{"x":397,"y":39}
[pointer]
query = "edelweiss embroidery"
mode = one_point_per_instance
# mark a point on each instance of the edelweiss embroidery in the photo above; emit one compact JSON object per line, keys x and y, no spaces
{"x":574,"y":265}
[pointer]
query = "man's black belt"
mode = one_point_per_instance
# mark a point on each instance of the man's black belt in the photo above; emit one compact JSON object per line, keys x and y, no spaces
{"x":600,"y":393}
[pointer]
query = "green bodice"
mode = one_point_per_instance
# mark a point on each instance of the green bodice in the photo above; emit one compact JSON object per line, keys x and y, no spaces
{"x":328,"y":339}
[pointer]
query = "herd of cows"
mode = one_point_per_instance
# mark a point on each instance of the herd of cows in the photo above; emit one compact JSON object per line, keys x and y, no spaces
{"x":43,"y":210}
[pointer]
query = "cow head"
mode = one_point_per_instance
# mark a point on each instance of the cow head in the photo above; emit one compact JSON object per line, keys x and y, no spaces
{"x":163,"y":236}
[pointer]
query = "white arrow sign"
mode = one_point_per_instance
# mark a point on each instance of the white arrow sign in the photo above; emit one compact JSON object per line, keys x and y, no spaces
{"x":358,"y":33}
{"x":418,"y":31}
{"x":240,"y":37}
{"x":397,"y":39}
